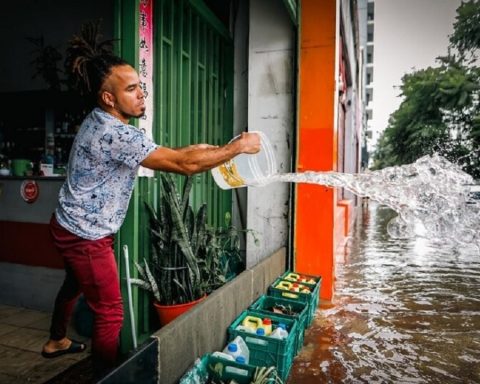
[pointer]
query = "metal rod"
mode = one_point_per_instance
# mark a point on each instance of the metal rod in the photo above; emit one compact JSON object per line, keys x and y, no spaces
{"x":129,"y":292}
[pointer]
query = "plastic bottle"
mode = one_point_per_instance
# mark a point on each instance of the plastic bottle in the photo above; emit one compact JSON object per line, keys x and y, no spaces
{"x":286,"y":285}
{"x":280,"y":332}
{"x":252,"y":322}
{"x":240,"y":359}
{"x":238,"y":347}
{"x":292,"y":276}
{"x":245,"y":329}
{"x":223,"y":355}
{"x":267,"y":325}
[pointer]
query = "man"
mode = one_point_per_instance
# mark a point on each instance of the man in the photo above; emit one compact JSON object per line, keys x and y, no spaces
{"x":94,"y":199}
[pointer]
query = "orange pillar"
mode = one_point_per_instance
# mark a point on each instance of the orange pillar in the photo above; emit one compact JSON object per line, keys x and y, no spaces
{"x":317,"y":142}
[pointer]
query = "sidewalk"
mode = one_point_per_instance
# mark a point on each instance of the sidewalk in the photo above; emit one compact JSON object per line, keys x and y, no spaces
{"x":22,"y":335}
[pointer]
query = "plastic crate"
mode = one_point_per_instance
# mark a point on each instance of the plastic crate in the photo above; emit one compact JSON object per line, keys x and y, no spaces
{"x":266,"y":351}
{"x":299,"y":312}
{"x":311,"y":298}
{"x":215,"y":368}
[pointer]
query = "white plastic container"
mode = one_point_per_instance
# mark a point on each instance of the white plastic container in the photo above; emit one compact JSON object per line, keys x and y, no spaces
{"x":238,"y":347}
{"x":247,"y":170}
{"x":280,"y":332}
{"x":223,"y":355}
{"x":245,"y":329}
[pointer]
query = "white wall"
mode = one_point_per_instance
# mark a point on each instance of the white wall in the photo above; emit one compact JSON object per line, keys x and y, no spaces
{"x":270,"y":110}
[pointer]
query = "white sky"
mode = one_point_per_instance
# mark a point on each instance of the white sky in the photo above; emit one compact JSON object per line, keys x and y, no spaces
{"x":407,"y":34}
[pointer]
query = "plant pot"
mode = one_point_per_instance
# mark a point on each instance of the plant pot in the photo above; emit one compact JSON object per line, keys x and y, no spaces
{"x":168,"y":313}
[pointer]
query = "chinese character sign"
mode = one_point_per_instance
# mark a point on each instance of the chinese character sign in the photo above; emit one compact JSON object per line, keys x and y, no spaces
{"x":145,"y":69}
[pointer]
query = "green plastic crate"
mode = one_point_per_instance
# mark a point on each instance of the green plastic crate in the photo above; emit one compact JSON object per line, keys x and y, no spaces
{"x":267,"y":351}
{"x":299,"y":311}
{"x":315,"y":286}
{"x":311,"y":298}
{"x":215,"y":368}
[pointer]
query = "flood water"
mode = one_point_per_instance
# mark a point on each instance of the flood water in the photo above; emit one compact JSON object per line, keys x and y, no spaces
{"x":405,"y":311}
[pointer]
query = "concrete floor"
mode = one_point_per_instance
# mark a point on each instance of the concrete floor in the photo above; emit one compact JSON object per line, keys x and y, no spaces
{"x":22,"y":335}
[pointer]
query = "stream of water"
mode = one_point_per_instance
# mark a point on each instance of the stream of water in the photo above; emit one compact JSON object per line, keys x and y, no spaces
{"x":431,"y":196}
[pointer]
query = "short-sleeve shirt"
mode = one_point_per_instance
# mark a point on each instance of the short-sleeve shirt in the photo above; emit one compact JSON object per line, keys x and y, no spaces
{"x":102,"y":167}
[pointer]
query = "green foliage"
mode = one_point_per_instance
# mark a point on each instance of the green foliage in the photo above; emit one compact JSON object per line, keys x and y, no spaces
{"x":466,"y":35}
{"x":440,"y":111}
{"x":189,"y":259}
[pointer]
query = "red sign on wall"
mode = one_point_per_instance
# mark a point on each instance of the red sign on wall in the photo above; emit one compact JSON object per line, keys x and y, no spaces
{"x":29,"y":190}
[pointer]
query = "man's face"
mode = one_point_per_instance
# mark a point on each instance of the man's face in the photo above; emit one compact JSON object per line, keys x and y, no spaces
{"x":124,"y":84}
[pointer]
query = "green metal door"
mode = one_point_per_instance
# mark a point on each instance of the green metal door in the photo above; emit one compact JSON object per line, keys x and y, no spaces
{"x":194,"y":75}
{"x":193,"y":103}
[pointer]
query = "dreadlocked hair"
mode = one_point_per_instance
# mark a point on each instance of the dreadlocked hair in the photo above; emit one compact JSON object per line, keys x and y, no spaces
{"x":88,"y":61}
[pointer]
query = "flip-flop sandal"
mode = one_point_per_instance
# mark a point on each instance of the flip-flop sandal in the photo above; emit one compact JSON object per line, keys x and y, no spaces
{"x":75,"y":347}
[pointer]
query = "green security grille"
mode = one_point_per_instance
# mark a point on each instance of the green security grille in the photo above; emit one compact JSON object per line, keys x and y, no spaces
{"x":193,"y":97}
{"x":193,"y":101}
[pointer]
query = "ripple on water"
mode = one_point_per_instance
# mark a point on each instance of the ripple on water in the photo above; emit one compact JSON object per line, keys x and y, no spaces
{"x":405,"y":311}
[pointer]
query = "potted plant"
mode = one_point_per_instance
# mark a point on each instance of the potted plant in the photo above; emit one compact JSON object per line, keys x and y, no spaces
{"x":189,"y":259}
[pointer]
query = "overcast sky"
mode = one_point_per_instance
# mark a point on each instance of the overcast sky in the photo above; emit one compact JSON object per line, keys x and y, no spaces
{"x":408,"y":34}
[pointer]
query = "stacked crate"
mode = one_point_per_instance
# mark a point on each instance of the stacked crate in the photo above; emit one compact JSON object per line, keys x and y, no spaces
{"x":291,"y":300}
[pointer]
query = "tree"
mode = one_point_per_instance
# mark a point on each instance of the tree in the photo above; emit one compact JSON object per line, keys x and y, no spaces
{"x":440,"y":111}
{"x":466,"y":33}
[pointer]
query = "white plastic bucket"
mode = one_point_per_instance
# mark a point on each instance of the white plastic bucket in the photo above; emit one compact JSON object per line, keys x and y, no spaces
{"x":245,"y":169}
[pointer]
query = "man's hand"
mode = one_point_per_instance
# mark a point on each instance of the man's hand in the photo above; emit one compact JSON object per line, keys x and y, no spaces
{"x":200,"y":157}
{"x":250,"y":142}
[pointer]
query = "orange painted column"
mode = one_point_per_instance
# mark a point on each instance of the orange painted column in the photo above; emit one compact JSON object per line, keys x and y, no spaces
{"x":317,"y":142}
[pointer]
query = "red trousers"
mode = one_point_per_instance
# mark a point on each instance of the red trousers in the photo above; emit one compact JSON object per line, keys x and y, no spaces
{"x":90,"y":269}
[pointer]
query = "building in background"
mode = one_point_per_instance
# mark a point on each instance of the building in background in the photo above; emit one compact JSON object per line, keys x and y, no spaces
{"x":371,"y":134}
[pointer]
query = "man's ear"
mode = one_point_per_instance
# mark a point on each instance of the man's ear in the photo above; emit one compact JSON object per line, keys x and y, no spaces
{"x":108,"y":98}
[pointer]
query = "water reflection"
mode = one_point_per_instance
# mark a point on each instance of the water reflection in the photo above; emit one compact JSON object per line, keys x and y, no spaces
{"x":405,"y":311}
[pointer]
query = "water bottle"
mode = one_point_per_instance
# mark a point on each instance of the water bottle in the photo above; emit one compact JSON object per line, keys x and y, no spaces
{"x":238,"y":347}
{"x":280,"y":332}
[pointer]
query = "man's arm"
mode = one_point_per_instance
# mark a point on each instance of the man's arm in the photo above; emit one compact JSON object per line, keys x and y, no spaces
{"x":200,"y":157}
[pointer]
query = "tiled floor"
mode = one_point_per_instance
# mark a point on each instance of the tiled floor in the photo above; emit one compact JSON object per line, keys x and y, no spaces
{"x":22,"y":335}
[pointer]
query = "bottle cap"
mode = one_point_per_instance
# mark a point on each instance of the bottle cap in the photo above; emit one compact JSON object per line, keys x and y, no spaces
{"x":283,"y":326}
{"x":267,"y":321}
{"x":260,"y":332}
{"x":240,"y":359}
{"x":232,"y":347}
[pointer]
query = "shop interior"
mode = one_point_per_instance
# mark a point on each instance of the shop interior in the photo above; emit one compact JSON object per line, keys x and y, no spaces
{"x":40,"y":112}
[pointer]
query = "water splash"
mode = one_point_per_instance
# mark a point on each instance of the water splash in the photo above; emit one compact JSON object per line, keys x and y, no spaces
{"x":431,"y":196}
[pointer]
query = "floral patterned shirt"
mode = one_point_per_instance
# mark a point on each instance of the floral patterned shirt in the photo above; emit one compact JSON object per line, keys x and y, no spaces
{"x":102,"y":167}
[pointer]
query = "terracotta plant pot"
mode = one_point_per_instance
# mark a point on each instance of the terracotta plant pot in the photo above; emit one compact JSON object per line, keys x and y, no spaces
{"x":168,"y":313}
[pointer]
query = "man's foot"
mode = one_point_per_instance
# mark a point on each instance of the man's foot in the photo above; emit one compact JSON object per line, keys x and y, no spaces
{"x":55,"y":348}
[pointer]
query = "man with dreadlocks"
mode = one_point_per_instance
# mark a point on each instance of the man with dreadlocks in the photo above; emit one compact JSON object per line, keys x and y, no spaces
{"x":93,"y":201}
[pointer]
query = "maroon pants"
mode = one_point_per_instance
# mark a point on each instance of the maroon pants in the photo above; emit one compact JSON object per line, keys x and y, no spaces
{"x":90,"y":269}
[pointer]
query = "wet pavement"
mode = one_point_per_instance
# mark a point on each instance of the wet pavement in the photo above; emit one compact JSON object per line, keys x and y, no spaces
{"x":405,"y":311}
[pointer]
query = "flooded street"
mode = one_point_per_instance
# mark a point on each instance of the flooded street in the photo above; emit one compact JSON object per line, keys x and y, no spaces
{"x":405,"y":311}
